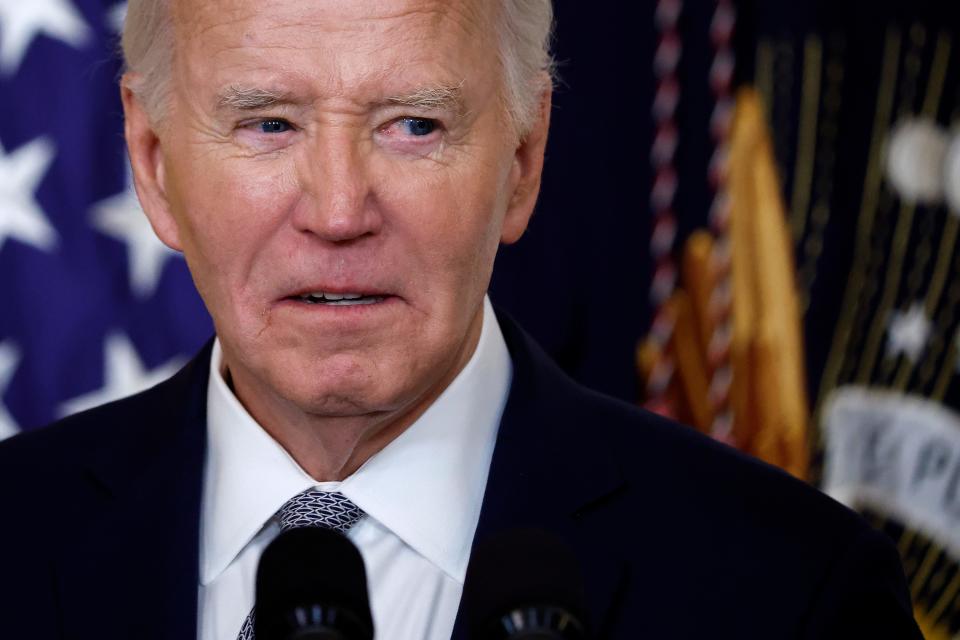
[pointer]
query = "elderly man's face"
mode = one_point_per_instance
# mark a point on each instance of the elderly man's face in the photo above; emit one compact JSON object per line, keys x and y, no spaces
{"x":357,"y":149}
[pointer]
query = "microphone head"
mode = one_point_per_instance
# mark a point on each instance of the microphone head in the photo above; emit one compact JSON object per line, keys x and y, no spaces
{"x":524,"y":583}
{"x":311,"y":585}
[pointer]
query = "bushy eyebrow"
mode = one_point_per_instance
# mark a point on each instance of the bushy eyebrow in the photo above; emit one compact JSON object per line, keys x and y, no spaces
{"x":240,"y":98}
{"x":437,"y":98}
{"x":442,"y":98}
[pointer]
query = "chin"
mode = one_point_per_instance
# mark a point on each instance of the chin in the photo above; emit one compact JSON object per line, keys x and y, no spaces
{"x":337,"y":406}
{"x":339,"y":396}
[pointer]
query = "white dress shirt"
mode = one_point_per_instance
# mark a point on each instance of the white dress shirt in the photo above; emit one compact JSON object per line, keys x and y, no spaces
{"x":422,"y":495}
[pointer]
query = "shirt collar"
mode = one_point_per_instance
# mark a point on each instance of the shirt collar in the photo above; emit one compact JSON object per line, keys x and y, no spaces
{"x":426,"y":486}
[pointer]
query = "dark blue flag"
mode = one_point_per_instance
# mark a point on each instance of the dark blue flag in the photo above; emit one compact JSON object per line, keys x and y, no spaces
{"x":92,"y":305}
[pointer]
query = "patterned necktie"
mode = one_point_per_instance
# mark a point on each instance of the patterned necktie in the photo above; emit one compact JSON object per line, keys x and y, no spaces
{"x":311,"y":508}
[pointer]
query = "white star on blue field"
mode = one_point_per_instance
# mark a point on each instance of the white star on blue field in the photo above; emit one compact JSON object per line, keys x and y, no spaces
{"x":95,"y":306}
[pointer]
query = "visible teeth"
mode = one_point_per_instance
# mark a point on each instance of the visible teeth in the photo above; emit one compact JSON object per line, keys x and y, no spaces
{"x":320,"y":297}
{"x":354,"y":301}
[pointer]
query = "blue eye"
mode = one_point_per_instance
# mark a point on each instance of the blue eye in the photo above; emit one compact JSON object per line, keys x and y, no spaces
{"x":274,"y":126}
{"x":420,"y":126}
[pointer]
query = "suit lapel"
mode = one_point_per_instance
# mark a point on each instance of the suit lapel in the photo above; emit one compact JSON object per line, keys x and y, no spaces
{"x":548,"y":473}
{"x":132,"y":570}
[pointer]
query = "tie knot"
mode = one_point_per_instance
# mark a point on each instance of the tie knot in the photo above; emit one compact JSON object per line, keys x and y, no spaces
{"x":315,"y":508}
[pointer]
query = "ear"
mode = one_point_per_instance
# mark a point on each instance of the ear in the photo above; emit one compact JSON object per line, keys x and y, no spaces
{"x":147,"y":161}
{"x":526,"y":172}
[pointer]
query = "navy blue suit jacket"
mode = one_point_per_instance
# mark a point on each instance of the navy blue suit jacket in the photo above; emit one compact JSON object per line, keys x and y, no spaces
{"x":679,"y":537}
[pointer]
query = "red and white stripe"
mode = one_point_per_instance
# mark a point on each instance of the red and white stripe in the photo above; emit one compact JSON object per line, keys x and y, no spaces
{"x":721,"y":299}
{"x":662,"y":157}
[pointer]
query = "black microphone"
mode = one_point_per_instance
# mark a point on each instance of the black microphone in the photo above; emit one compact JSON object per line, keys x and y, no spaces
{"x":311,"y":585}
{"x":524,"y":584}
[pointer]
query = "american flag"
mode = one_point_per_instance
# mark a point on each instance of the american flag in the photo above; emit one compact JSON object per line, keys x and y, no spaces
{"x":93,"y":306}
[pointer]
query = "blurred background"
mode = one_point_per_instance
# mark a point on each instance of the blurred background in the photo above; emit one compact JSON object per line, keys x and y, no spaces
{"x":749,"y":221}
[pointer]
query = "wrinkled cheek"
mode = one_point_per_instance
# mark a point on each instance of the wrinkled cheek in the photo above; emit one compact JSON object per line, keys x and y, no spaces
{"x":230,"y":232}
{"x":481,"y":235}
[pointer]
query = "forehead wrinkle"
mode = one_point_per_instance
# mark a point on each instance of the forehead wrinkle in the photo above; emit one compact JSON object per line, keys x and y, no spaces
{"x":463,"y":18}
{"x":469,"y":16}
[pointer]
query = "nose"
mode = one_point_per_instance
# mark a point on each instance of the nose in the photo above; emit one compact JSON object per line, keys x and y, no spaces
{"x":338,"y":205}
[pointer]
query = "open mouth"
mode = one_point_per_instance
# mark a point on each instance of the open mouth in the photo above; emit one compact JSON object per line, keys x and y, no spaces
{"x":337,"y":299}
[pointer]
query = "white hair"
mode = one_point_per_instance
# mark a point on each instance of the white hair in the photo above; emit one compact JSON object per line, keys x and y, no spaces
{"x":524,"y":31}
